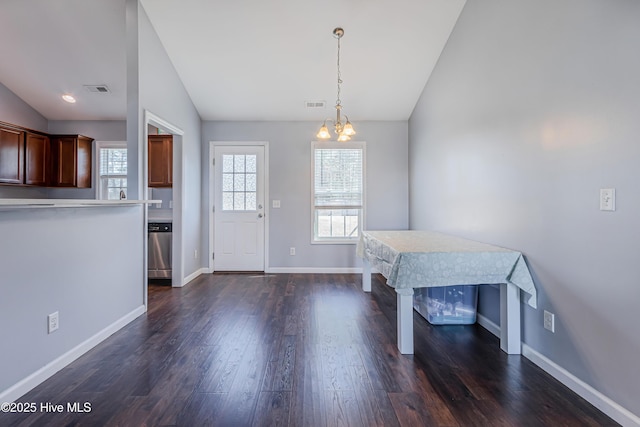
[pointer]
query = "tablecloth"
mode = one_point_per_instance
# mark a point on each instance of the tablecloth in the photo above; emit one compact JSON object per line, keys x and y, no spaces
{"x":416,"y":259}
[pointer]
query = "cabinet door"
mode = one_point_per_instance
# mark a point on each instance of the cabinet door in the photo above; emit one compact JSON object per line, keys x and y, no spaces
{"x":11,"y":156}
{"x":71,"y":156}
{"x":36,"y":160}
{"x":83,"y":163}
{"x":65,"y":161}
{"x":160,"y":161}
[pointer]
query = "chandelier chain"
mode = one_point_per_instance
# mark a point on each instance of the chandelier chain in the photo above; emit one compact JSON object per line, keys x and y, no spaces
{"x":339,"y":75}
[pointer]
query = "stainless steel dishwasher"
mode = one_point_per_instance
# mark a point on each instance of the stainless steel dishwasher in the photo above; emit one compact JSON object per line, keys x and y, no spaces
{"x":159,"y":261}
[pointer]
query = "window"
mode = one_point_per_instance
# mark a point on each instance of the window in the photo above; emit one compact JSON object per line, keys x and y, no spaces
{"x":112,"y":167}
{"x":338,"y":191}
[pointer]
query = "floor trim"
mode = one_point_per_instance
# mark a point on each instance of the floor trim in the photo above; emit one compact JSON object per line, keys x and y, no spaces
{"x":313,"y":270}
{"x":41,"y":375}
{"x":584,"y":390}
{"x":618,"y":413}
{"x":194,"y":275}
{"x":488,"y":325}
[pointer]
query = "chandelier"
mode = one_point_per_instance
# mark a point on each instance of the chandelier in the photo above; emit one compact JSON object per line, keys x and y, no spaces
{"x":344,"y":131}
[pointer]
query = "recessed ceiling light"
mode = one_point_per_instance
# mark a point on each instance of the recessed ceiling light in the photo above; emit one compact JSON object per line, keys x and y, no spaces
{"x":70,"y":99}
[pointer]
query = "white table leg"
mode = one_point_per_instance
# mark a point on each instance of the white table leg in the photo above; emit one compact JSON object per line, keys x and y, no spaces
{"x":366,"y":275}
{"x":405,"y":320}
{"x":510,"y":341}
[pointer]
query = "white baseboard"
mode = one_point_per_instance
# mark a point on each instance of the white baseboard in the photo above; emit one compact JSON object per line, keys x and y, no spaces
{"x":311,"y":270}
{"x":617,"y":412}
{"x":488,"y":325}
{"x":612,"y":409}
{"x":194,"y":275}
{"x":41,"y":375}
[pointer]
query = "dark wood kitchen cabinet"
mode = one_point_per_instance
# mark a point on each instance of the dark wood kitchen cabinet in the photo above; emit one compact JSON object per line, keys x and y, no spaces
{"x":71,"y":161}
{"x":160,"y":160}
{"x":37,"y":162}
{"x":11,"y":156}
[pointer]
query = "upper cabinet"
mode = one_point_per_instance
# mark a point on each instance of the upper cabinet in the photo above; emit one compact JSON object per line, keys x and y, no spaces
{"x":11,"y":156}
{"x":30,"y":157}
{"x":160,"y":161}
{"x":71,"y":161}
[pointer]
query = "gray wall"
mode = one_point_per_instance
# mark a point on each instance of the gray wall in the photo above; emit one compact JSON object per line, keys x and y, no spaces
{"x":290,"y":182}
{"x":15,"y":111}
{"x":100,"y":130}
{"x":63,"y":259}
{"x":532,"y":108}
{"x":154,"y":85}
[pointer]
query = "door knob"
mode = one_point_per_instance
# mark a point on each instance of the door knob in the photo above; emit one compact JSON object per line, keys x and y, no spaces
{"x":260,"y":215}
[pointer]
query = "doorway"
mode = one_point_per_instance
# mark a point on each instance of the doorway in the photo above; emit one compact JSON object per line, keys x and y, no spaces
{"x":171,"y":206}
{"x":239,"y":228}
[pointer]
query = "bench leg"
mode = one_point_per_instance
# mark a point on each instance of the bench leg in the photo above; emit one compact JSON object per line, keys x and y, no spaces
{"x":405,"y":320}
{"x":510,"y":341}
{"x":366,"y":275}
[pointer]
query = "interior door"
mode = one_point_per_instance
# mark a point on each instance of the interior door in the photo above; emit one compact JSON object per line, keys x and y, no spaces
{"x":239,"y":208}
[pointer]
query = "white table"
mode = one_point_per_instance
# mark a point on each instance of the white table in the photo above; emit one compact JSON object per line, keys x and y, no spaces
{"x":414,"y":259}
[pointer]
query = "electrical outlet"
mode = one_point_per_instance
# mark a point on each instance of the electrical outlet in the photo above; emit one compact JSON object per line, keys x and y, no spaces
{"x":607,"y":199}
{"x":53,"y":322}
{"x":292,"y":251}
{"x":549,"y":321}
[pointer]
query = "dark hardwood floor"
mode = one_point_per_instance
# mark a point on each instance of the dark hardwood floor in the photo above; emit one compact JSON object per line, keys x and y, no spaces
{"x":299,"y":350}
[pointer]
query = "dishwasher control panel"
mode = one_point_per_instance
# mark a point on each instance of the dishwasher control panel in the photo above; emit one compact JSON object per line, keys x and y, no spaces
{"x":159,"y":227}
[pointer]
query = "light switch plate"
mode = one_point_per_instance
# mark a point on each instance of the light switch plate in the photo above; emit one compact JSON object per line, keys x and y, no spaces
{"x":276,"y":204}
{"x":607,"y":199}
{"x":549,"y":321}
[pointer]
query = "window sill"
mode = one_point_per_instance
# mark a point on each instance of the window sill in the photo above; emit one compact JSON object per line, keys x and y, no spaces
{"x":335,"y":242}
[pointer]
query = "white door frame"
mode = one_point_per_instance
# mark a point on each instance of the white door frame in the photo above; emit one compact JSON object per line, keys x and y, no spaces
{"x":177,"y":260}
{"x":212,"y":194}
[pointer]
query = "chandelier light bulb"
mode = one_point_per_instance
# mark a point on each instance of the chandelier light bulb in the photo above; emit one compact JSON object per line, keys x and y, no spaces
{"x":348,"y":129}
{"x":323,"y":133}
{"x":343,"y":137}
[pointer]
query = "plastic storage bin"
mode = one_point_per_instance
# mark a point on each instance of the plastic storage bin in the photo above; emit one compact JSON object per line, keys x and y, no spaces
{"x":447,"y":305}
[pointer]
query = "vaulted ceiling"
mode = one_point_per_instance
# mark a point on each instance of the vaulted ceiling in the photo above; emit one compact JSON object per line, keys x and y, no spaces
{"x":239,"y":60}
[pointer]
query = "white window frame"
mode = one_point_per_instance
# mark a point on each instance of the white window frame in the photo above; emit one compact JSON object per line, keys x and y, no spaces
{"x":361,"y":223}
{"x":97,"y":176}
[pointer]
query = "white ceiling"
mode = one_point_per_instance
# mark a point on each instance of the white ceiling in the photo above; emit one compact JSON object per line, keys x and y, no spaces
{"x":239,"y":60}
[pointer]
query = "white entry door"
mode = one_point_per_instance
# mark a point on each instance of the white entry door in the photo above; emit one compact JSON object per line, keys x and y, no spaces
{"x":239,"y":208}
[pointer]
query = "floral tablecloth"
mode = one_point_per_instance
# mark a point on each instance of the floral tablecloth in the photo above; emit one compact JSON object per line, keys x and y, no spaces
{"x":418,"y":259}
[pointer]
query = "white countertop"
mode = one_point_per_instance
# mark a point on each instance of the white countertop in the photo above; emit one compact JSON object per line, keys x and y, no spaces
{"x":6,"y":204}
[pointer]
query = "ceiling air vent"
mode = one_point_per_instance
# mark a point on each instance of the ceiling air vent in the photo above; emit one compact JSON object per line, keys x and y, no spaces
{"x":97,"y":88}
{"x":315,"y":104}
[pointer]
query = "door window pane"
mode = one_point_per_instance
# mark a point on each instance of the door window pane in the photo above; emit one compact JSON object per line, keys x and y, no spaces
{"x":251,"y":201}
{"x":239,"y":180}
